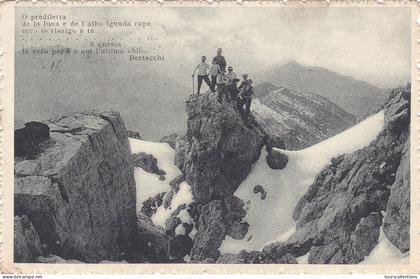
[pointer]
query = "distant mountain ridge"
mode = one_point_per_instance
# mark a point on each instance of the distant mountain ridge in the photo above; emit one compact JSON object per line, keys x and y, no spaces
{"x":354,"y":96}
{"x":300,"y":119}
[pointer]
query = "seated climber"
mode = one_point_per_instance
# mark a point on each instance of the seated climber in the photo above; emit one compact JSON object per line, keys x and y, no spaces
{"x":231,"y":75}
{"x":214,"y":71}
{"x":246,"y":94}
{"x":222,"y":82}
{"x":202,"y":74}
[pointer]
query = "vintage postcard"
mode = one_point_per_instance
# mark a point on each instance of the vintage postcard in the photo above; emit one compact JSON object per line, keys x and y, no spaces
{"x":191,"y":137}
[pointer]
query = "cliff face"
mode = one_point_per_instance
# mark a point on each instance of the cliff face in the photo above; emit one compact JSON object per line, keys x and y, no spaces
{"x":78,"y":190}
{"x":300,"y":119}
{"x":215,"y":156}
{"x":27,"y":246}
{"x":219,"y":148}
{"x":340,"y":217}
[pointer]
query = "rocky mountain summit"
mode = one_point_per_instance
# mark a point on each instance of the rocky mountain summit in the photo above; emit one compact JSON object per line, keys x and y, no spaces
{"x":216,"y":155}
{"x":78,"y":179}
{"x":340,"y":217}
{"x":300,"y":119}
{"x":218,"y":149}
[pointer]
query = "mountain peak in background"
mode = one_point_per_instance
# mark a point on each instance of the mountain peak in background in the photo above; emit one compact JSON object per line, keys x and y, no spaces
{"x":355,"y":96}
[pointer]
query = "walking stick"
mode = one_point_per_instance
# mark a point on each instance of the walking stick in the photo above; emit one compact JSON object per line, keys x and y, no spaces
{"x":193,"y":85}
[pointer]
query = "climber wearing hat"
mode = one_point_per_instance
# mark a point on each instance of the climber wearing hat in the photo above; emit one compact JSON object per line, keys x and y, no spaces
{"x":222,"y":82}
{"x":214,"y":71}
{"x":231,"y":75}
{"x":220,"y":60}
{"x":233,"y":89}
{"x":244,"y":80}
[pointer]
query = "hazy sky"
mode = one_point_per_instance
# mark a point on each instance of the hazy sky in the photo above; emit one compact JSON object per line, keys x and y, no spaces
{"x":371,"y":44}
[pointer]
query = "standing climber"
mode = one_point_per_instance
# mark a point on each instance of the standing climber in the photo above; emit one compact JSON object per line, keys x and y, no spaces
{"x":222,"y":82}
{"x":233,"y":89}
{"x":231,"y":75}
{"x":246,"y":94}
{"x":202,"y":68}
{"x":214,"y":71}
{"x":220,"y":60}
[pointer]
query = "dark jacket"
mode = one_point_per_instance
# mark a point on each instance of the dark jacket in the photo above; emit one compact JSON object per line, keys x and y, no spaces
{"x":234,"y":91}
{"x":247,"y":92}
{"x":242,"y":85}
{"x":221,"y":61}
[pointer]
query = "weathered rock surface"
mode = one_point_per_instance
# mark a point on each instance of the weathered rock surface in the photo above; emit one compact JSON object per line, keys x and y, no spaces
{"x":397,"y":218}
{"x":27,"y":246}
{"x":147,"y":162}
{"x":211,"y":232}
{"x":151,"y":244}
{"x":217,"y":219}
{"x":234,"y":212}
{"x":133,"y":134}
{"x":339,"y":217}
{"x":180,"y":246}
{"x":170,"y":140}
{"x":218,"y":150}
{"x":151,"y":205}
{"x":79,"y":192}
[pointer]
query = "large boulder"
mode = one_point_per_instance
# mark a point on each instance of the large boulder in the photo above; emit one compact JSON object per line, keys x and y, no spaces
{"x":180,"y":246}
{"x":79,"y":191}
{"x":217,"y":219}
{"x":276,"y":159}
{"x":150,"y":244}
{"x":28,"y":139}
{"x":219,"y":149}
{"x":211,"y":232}
{"x":27,"y":246}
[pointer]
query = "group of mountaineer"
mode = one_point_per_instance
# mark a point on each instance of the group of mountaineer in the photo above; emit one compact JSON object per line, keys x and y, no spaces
{"x":225,"y":83}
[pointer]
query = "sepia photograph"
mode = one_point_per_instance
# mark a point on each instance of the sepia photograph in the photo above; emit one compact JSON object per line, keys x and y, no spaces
{"x":212,"y":135}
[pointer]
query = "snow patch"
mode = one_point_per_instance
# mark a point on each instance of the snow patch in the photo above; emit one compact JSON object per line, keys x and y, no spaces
{"x":183,"y":196}
{"x":303,"y":259}
{"x":180,"y":230}
{"x":386,"y":253}
{"x":271,"y":219}
{"x":148,"y":185}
